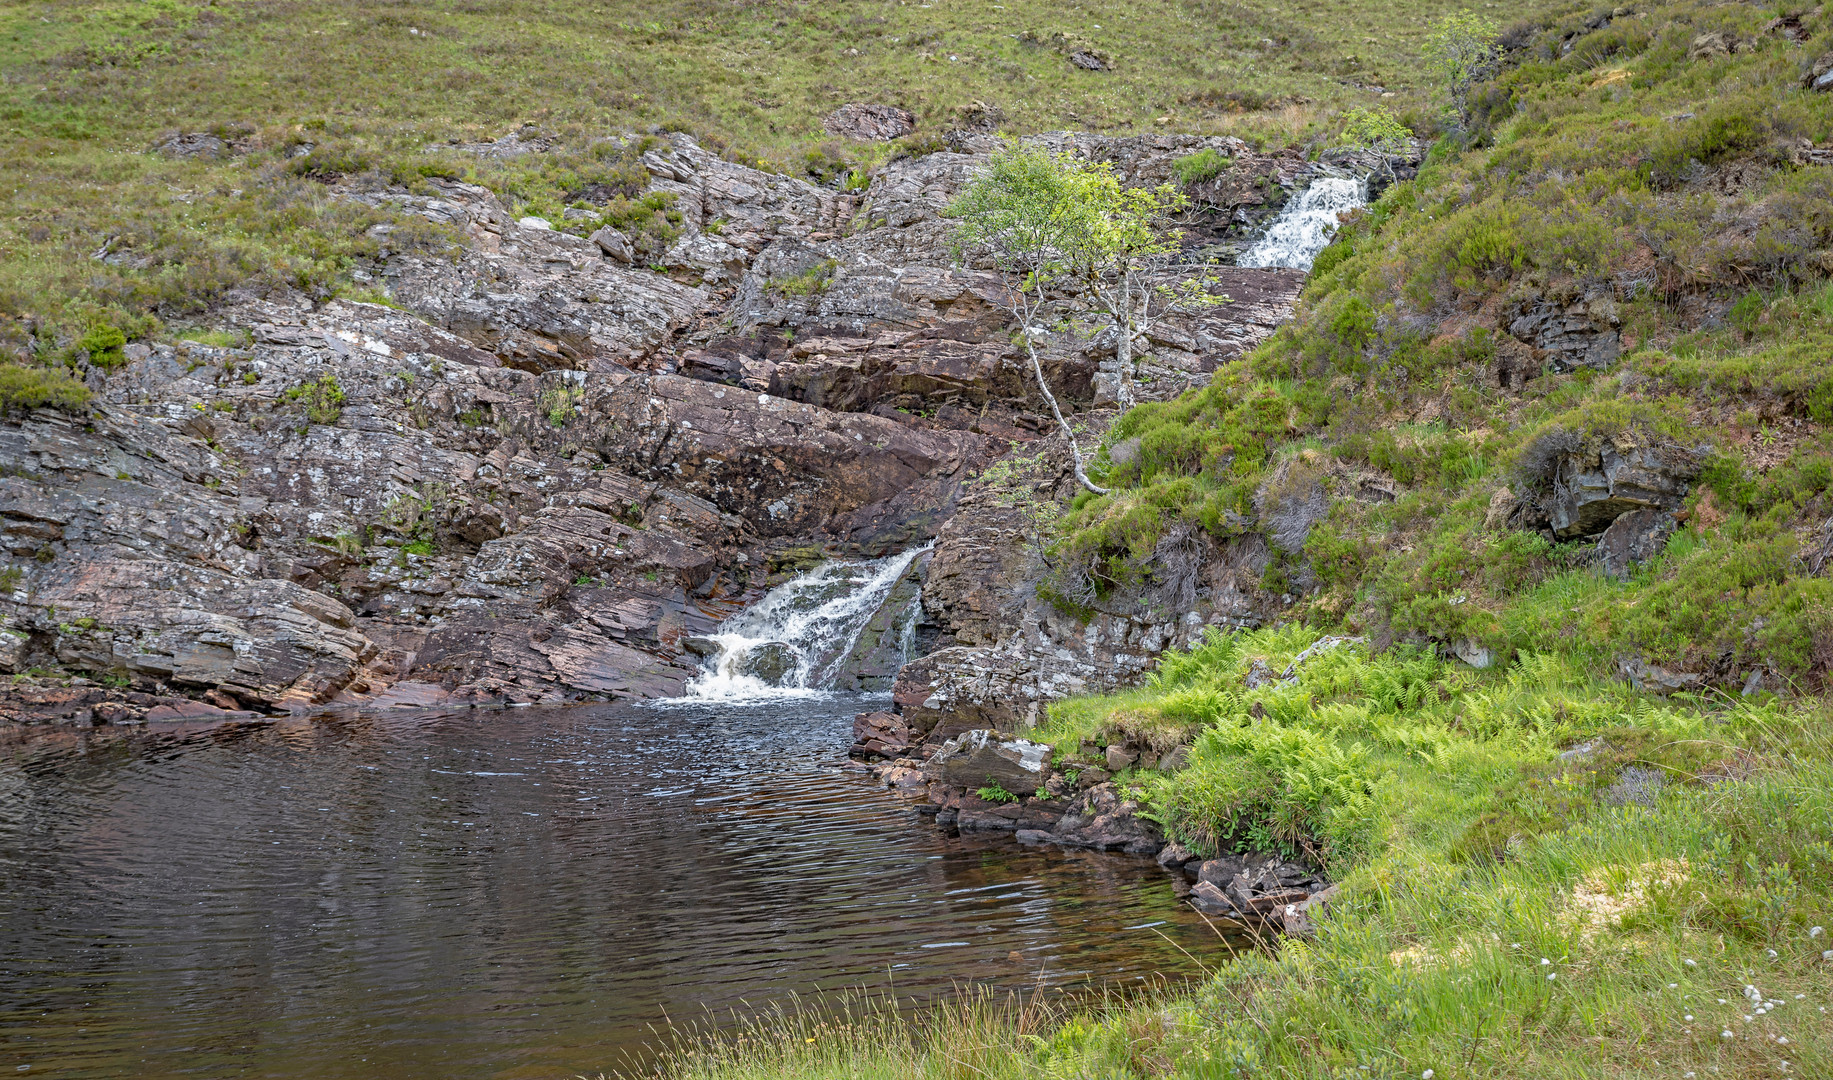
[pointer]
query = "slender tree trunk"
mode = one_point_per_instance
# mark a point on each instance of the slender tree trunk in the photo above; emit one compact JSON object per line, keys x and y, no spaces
{"x":1123,"y":321}
{"x":1025,"y":309}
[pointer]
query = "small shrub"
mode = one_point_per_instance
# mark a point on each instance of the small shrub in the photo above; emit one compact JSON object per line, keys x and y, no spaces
{"x":322,"y":398}
{"x":104,"y":343}
{"x":25,"y":387}
{"x":810,"y":282}
{"x":1206,"y":164}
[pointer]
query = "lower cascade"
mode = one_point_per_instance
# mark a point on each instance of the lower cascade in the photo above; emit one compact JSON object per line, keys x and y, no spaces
{"x":798,"y":639}
{"x":1307,"y":223}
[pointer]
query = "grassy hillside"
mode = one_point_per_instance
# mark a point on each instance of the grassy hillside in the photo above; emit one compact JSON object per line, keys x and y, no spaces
{"x":98,"y":229}
{"x":1547,"y":872}
{"x":1511,"y":912}
{"x":1674,"y":200}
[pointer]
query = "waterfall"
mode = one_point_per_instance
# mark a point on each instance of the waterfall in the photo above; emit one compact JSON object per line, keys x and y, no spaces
{"x":795,"y":641}
{"x":1306,"y":224}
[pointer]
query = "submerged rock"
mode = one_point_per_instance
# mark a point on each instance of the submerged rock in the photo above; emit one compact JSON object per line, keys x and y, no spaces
{"x":771,"y":662}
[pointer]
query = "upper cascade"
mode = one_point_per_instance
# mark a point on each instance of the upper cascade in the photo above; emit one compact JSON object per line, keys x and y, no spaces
{"x":1307,"y":223}
{"x":796,"y":640}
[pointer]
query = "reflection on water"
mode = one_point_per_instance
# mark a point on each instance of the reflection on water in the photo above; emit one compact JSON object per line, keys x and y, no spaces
{"x":520,"y":894}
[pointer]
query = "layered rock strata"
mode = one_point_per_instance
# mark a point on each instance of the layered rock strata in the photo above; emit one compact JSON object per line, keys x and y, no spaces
{"x":539,"y":467}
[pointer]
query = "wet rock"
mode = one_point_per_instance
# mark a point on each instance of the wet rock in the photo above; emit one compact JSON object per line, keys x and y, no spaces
{"x":1101,"y":819}
{"x":190,"y":710}
{"x":979,"y":759}
{"x":703,"y":647}
{"x":1119,"y":758}
{"x":1030,"y":815}
{"x":902,"y":778}
{"x":770,"y":662}
{"x":1087,"y":61}
{"x":882,"y":734}
{"x":869,"y":123}
{"x":1174,"y":856}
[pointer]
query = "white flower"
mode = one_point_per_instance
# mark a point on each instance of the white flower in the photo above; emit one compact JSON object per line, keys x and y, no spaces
{"x":1552,"y":975}
{"x":1689,"y":1018}
{"x":1771,"y":952}
{"x":1673,"y":986}
{"x":1692,"y":963}
{"x":1726,"y":1035}
{"x":1427,"y":1075}
{"x":1827,"y":954}
{"x":1816,"y":931}
{"x":1783,"y":1040}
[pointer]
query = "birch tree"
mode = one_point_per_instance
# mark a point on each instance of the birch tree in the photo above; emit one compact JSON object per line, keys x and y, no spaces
{"x":1045,"y":219}
{"x":1023,"y":212}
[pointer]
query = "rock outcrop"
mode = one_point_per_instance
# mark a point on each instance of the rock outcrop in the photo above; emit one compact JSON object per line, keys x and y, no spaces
{"x":542,"y":466}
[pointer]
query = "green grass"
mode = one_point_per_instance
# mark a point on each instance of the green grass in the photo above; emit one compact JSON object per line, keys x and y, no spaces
{"x":100,"y":231}
{"x":1589,"y":168}
{"x":1505,"y":912}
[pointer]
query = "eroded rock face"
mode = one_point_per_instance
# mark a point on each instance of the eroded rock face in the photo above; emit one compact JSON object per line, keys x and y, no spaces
{"x":549,"y":468}
{"x":1592,"y":489}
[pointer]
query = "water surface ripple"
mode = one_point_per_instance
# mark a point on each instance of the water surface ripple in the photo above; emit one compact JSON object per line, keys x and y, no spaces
{"x":500,"y":894}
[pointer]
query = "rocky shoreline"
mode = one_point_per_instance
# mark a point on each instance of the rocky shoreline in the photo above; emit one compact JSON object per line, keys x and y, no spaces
{"x":980,"y":782}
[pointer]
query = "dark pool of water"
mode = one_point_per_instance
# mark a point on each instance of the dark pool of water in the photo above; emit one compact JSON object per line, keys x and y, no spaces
{"x":529,"y":893}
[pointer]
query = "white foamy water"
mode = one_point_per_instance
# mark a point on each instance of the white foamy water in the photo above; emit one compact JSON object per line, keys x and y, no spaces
{"x":1307,"y":223}
{"x":794,"y":641}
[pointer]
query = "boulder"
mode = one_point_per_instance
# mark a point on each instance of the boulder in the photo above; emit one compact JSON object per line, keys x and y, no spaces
{"x":1655,"y":679}
{"x":1820,"y":76}
{"x":771,"y":662}
{"x":980,"y":759}
{"x":1707,"y":45}
{"x":192,"y":144}
{"x":1632,"y":538}
{"x":614,"y":244}
{"x":869,"y":123}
